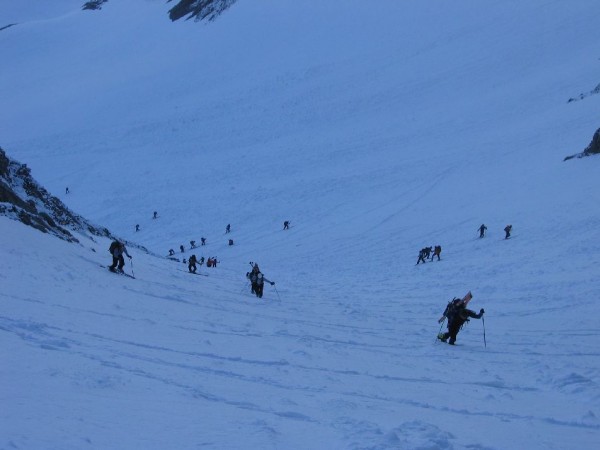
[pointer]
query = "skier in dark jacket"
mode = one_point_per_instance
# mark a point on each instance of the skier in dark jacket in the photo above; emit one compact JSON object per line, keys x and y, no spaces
{"x":117,"y":249}
{"x":257,"y":280}
{"x":482,"y":229}
{"x":422,"y":254}
{"x":457,"y":314}
{"x":437,"y":251}
{"x":192,"y":264}
{"x":507,"y":230}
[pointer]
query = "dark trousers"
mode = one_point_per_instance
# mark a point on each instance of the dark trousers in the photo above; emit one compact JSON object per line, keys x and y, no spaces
{"x":453,"y":330}
{"x":192,"y":267}
{"x":421,"y":259}
{"x":117,"y":260}
{"x":258,"y":289}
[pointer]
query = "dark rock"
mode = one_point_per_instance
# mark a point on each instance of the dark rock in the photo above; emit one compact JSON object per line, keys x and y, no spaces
{"x":93,"y":4}
{"x":592,"y":149}
{"x":23,"y":199}
{"x":199,"y":9}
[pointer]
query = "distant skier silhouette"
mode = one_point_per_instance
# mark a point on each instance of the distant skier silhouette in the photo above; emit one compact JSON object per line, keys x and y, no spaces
{"x":482,"y":229}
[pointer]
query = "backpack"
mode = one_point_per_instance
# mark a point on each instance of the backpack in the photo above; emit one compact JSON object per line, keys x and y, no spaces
{"x":452,"y":308}
{"x":113,"y":246}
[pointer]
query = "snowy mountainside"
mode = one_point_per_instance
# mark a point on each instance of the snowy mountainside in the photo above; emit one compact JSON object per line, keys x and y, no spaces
{"x":376,"y":131}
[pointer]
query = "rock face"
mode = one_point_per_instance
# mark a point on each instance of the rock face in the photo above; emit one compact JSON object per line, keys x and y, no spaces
{"x":190,"y":9}
{"x":23,"y":199}
{"x":199,"y":9}
{"x":94,"y":4}
{"x":592,"y":149}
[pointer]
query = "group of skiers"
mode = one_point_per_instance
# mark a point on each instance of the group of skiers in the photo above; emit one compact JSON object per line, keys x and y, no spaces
{"x":192,"y":261}
{"x":456,"y":312}
{"x":482,"y":229}
{"x":429,"y":253}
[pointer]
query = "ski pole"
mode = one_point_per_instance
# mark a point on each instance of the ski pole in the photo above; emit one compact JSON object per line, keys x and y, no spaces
{"x":484,"y":341}
{"x":132,"y":273}
{"x":277,"y":294}
{"x":436,"y":338}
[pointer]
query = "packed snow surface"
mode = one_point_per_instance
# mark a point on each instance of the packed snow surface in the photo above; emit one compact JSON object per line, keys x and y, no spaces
{"x":376,"y":128}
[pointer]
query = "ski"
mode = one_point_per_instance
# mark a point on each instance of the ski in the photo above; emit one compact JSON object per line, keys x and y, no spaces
{"x":195,"y":273}
{"x":119,"y":272}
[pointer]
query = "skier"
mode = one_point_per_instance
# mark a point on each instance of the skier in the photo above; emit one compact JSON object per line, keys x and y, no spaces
{"x":201,"y":261}
{"x":211,"y":261}
{"x":182,"y":248}
{"x":286,"y":225}
{"x":117,"y":249}
{"x":230,"y":241}
{"x":202,"y":241}
{"x":171,"y":252}
{"x":482,"y":229}
{"x":437,"y":250}
{"x":257,"y":281}
{"x":507,"y":230}
{"x":228,"y":228}
{"x":67,"y":190}
{"x":457,"y":314}
{"x":427,"y":251}
{"x":192,"y":264}
{"x":192,"y":244}
{"x":137,"y":228}
{"x":421,"y":256}
{"x":155,"y":216}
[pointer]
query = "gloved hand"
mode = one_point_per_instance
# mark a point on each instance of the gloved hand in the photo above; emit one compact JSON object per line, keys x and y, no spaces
{"x":130,"y":257}
{"x":481,"y":311}
{"x":441,"y":319}
{"x":272,"y":283}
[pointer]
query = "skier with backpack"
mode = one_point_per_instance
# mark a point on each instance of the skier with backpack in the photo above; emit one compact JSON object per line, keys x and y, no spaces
{"x":257,"y":281}
{"x":117,"y":249}
{"x":457,"y":314}
{"x":192,"y":264}
{"x":437,"y":251}
{"x":422,"y":254}
{"x":507,"y":230}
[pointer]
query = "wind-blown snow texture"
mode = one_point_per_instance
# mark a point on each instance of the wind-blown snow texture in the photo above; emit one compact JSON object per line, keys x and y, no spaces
{"x":377,"y":130}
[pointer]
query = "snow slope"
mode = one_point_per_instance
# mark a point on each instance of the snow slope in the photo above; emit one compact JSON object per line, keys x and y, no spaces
{"x":376,"y":131}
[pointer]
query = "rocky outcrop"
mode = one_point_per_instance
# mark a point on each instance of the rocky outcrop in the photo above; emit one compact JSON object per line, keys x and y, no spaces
{"x":199,"y":9}
{"x":23,"y":199}
{"x":583,"y":95}
{"x":592,"y":149}
{"x":94,"y":4}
